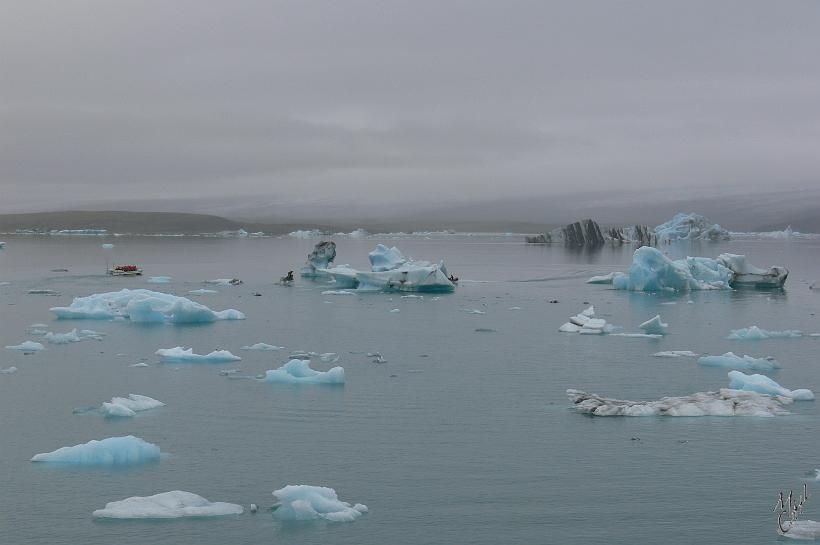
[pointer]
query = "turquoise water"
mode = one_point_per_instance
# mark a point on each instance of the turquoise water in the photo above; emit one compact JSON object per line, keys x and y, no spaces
{"x":461,"y":437}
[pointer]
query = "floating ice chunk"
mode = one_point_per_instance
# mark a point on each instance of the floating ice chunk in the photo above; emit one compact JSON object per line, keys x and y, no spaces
{"x":655,"y":326}
{"x":224,"y":281}
{"x":159,"y":279}
{"x":802,"y":529}
{"x":180,"y":354}
{"x":261,"y":346}
{"x":299,"y":372}
{"x":676,"y":354}
{"x":732,"y":361}
{"x":27,"y":346}
{"x":690,"y":227}
{"x":305,"y":502}
{"x":129,"y":406}
{"x":764,"y":385}
{"x":338,"y":292}
{"x":746,"y":274}
{"x":638,"y":335}
{"x":107,"y":246}
{"x":306,"y":234}
{"x":321,"y":257}
{"x":603,"y":279}
{"x":111,"y":451}
{"x":724,"y":402}
{"x":202,"y":291}
{"x":653,"y":271}
{"x":514,"y":308}
{"x":142,"y":305}
{"x":569,"y":328}
{"x":473,"y":311}
{"x":63,"y":338}
{"x":329,"y":357}
{"x":385,"y":259}
{"x":174,"y":504}
{"x":8,"y":371}
{"x":395,"y":311}
{"x":590,"y":312}
{"x":754,"y":333}
{"x":140,"y":364}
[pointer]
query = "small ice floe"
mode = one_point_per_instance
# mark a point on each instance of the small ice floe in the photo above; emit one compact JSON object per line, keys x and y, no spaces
{"x":585,"y":323}
{"x":602,"y":279}
{"x":473,"y":311}
{"x":224,"y":281}
{"x":329,"y":357}
{"x":764,"y":385}
{"x":202,"y":291}
{"x":338,"y":292}
{"x":42,"y":292}
{"x":654,"y":326}
{"x":27,"y":347}
{"x":129,"y":406}
{"x":142,"y":305}
{"x":676,"y":354}
{"x":8,"y":371}
{"x":514,"y":308}
{"x":125,"y":450}
{"x":305,"y":502}
{"x":167,"y":505}
{"x":159,"y":279}
{"x":180,"y":354}
{"x":72,"y":336}
{"x":754,"y":333}
{"x":730,"y":360}
{"x":107,"y":246}
{"x":299,"y":372}
{"x":724,"y":402}
{"x":261,"y":346}
{"x":140,"y":364}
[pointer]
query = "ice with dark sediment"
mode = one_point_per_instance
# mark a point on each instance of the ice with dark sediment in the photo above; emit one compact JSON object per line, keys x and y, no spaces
{"x":321,"y":257}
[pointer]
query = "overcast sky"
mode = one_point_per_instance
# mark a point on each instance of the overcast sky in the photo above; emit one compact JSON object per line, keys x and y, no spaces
{"x":376,"y":100}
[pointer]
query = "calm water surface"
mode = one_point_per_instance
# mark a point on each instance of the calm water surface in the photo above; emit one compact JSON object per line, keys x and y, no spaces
{"x":461,"y":437}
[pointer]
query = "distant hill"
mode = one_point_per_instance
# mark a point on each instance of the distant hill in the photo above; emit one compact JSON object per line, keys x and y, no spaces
{"x":134,"y":222}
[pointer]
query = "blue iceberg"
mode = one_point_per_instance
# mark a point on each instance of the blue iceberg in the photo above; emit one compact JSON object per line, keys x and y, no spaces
{"x":764,"y":385}
{"x":125,"y":450}
{"x":730,"y":360}
{"x":180,"y":354}
{"x":690,"y":227}
{"x":299,"y":372}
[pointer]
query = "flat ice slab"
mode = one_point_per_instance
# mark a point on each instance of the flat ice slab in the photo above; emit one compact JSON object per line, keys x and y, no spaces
{"x":26,"y":346}
{"x":125,"y":450}
{"x":305,"y":502}
{"x":299,"y":372}
{"x":180,"y":354}
{"x":261,"y":346}
{"x":690,"y":227}
{"x":142,"y":305}
{"x":167,"y":505}
{"x":676,"y":354}
{"x":730,"y":360}
{"x":724,"y":402}
{"x":754,"y":333}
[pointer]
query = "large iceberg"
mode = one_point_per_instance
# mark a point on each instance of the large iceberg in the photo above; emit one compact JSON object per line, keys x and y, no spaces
{"x":111,"y":451}
{"x":180,"y":354}
{"x":299,"y":372}
{"x":305,"y":502}
{"x":653,"y":271}
{"x":724,"y":402}
{"x":754,"y":333}
{"x":129,"y":406}
{"x":730,"y":360}
{"x":321,"y":257}
{"x":764,"y":385}
{"x":168,"y":505}
{"x":141,"y":305}
{"x":690,"y":227}
{"x":408,"y":276}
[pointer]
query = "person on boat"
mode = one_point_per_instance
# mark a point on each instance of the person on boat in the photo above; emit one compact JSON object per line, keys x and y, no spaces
{"x":453,"y":279}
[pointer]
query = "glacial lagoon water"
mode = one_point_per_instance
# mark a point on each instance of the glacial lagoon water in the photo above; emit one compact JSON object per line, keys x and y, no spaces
{"x":462,"y":436}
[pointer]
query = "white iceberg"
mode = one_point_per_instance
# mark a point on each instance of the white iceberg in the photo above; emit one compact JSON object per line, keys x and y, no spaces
{"x":111,"y":451}
{"x":653,"y":271}
{"x":724,"y":402}
{"x":129,"y":406}
{"x":159,"y":279}
{"x":730,"y":360}
{"x":585,"y":323}
{"x":676,"y":354}
{"x":202,"y":291}
{"x":299,"y":372}
{"x":141,"y":305}
{"x":305,"y":502}
{"x":754,"y":333}
{"x":261,"y":346}
{"x":26,"y":346}
{"x":180,"y":354}
{"x":764,"y":385}
{"x":167,"y":505}
{"x":603,"y":279}
{"x":338,"y":292}
{"x":224,"y":281}
{"x":654,"y":326}
{"x":690,"y":227}
{"x":72,"y":336}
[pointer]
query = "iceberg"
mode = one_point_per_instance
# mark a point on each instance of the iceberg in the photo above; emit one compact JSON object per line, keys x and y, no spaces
{"x":754,"y":333}
{"x":385,"y":259}
{"x":299,"y":372}
{"x":111,"y":451}
{"x":676,"y":354}
{"x":129,"y":406}
{"x":690,"y":227}
{"x":654,"y":326}
{"x":261,"y":346}
{"x":180,"y":354}
{"x":321,"y":257}
{"x":224,"y":281}
{"x":653,"y":271}
{"x":730,"y":360}
{"x":603,"y":279}
{"x":141,"y":305}
{"x":27,"y":346}
{"x":747,"y":275}
{"x":585,"y":323}
{"x":305,"y":502}
{"x":764,"y":385}
{"x":72,"y":336}
{"x":167,"y":505}
{"x":724,"y":402}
